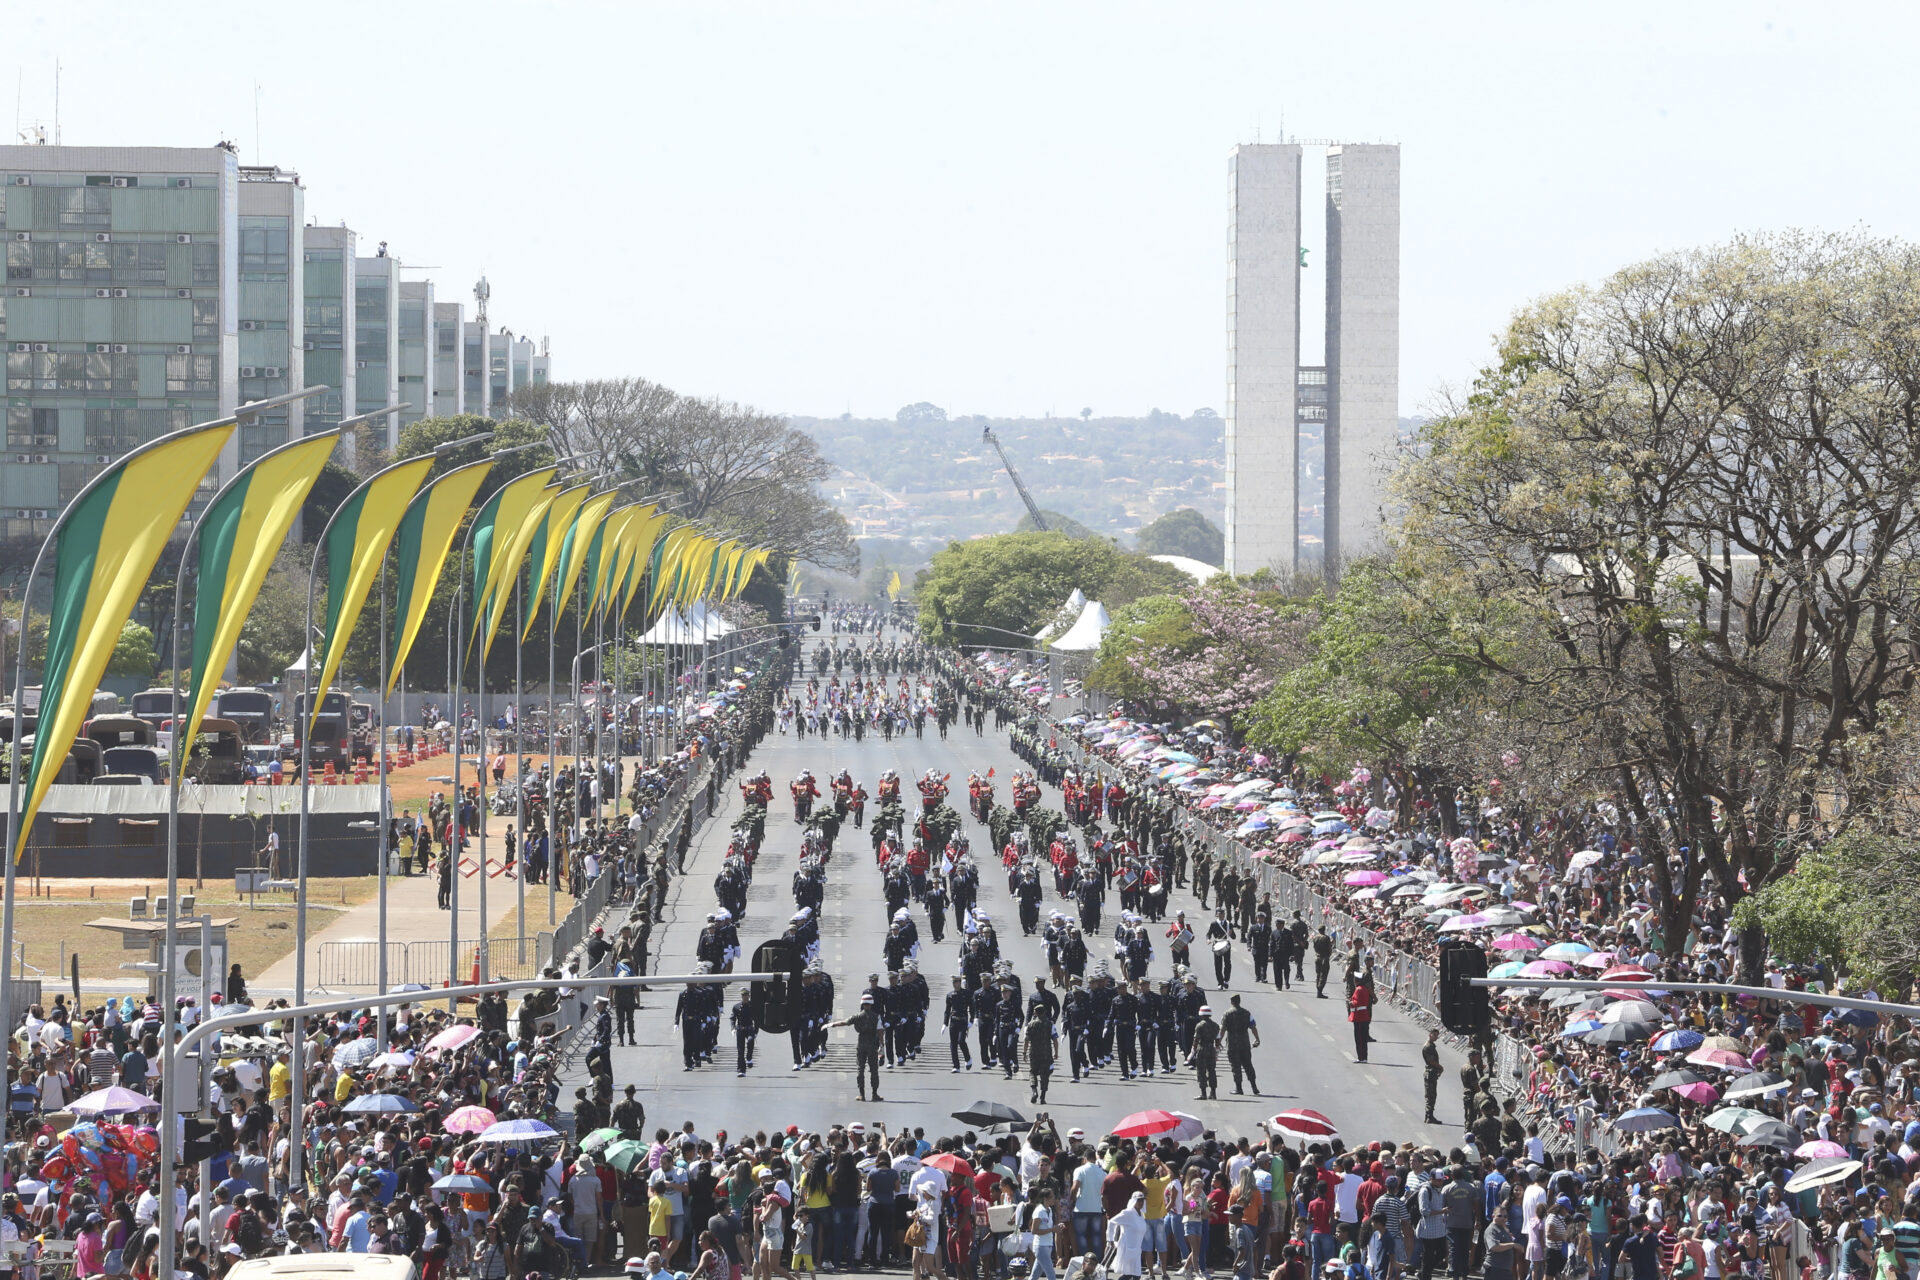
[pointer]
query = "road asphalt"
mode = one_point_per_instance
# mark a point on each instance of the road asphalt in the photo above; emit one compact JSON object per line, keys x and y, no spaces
{"x":1306,"y":1057}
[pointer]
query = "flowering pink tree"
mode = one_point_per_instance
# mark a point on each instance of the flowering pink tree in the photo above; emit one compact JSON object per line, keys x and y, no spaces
{"x":1241,"y":647}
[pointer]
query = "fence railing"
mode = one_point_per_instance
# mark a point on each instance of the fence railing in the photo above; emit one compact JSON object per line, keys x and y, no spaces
{"x":356,"y":962}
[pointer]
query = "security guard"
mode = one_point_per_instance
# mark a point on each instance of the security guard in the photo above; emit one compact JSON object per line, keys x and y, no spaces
{"x":1204,"y":1056}
{"x":866,"y":1062}
{"x":1239,"y":1028}
{"x":1322,"y":960}
{"x":1430,"y":1057}
{"x":1039,"y":1038}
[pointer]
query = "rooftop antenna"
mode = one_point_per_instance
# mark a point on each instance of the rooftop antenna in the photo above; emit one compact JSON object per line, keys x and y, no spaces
{"x":481,"y":292}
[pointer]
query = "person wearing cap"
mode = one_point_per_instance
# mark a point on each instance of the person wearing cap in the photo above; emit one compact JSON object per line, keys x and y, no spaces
{"x":867,"y":1032}
{"x":1203,"y":1057}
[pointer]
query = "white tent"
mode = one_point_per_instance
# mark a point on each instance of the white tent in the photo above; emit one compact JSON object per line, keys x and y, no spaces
{"x":1084,"y":635}
{"x":1073,"y":607}
{"x":697,"y":625}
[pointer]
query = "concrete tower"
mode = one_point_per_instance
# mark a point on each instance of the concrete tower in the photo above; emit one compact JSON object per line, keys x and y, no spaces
{"x":1363,"y":345}
{"x":1263,"y":354}
{"x":1264,"y":374}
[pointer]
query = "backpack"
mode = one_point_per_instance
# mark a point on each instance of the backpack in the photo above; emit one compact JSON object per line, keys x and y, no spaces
{"x":249,"y":1233}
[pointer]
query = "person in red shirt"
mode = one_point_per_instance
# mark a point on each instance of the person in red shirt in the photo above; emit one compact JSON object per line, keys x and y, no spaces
{"x":1320,"y":1226}
{"x":1360,"y":1014}
{"x":1372,"y":1189}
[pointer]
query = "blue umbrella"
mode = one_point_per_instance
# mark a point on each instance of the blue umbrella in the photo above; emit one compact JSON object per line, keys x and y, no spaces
{"x":1579,"y":1029}
{"x":1641,"y":1119}
{"x":465,"y":1182}
{"x":1858,"y":1017}
{"x":517,"y":1131}
{"x":1677,"y":1041}
{"x":380,"y":1102}
{"x":1329,"y":828}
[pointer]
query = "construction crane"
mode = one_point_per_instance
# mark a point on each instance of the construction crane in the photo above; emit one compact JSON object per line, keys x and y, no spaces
{"x":1033,"y":508}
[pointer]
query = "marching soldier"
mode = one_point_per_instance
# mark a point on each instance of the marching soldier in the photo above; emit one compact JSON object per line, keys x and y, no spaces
{"x":958,"y":1016}
{"x":745,"y":1028}
{"x":1039,"y":1038}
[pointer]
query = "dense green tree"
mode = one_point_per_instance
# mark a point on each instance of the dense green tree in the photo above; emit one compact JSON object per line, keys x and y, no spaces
{"x":1057,"y":522}
{"x":1183,"y":533}
{"x":993,"y":590}
{"x":133,"y":654}
{"x":1159,"y":622}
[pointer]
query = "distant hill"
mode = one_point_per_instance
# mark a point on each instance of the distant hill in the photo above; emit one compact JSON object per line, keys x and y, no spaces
{"x":913,"y":483}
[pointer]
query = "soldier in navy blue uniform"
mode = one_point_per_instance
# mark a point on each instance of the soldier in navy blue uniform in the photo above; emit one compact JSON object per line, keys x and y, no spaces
{"x":986,"y":1015}
{"x":1126,"y":1030}
{"x":918,"y":999}
{"x":745,"y":1028}
{"x":936,"y":904}
{"x":1076,"y":1012}
{"x":1167,"y":1026}
{"x":957,"y":1015}
{"x":1007,"y":1024}
{"x":1099,"y":1022}
{"x":1149,"y":1001}
{"x":1259,"y":939}
{"x":1088,"y":892}
{"x":1187,"y":1002}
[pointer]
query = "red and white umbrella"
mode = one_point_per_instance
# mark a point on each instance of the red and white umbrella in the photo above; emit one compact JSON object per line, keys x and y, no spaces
{"x":1145,"y":1124}
{"x":1303,"y":1123}
{"x":452,"y":1038}
{"x":469,"y":1120}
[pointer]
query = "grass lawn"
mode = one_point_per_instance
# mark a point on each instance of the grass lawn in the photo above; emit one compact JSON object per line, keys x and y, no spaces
{"x":50,"y":929}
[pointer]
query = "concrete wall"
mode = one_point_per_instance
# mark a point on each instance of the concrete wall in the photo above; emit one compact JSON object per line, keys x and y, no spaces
{"x":1263,"y":352}
{"x":1363,"y":344}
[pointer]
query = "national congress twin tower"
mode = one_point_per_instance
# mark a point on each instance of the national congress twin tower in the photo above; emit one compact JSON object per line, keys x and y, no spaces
{"x":1352,"y":403}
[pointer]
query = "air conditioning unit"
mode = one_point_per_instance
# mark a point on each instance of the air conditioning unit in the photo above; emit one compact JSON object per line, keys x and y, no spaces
{"x":23,"y":293}
{"x":23,"y":346}
{"x":120,"y":293}
{"x":103,"y":293}
{"x":183,"y":293}
{"x":102,"y":348}
{"x":183,"y":238}
{"x":102,"y":237}
{"x":119,"y":348}
{"x":43,"y":515}
{"x":248,"y":326}
{"x":21,"y":180}
{"x":249,"y":371}
{"x":272,"y":371}
{"x":359,"y":364}
{"x":183,"y":182}
{"x":123,"y":182}
{"x":103,"y":458}
{"x":40,"y":346}
{"x":309,"y":345}
{"x":183,"y":349}
{"x":40,"y":457}
{"x":23,"y":458}
{"x":23,"y":235}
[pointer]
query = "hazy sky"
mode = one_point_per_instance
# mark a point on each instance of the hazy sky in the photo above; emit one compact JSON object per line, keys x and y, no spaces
{"x":1000,"y":208}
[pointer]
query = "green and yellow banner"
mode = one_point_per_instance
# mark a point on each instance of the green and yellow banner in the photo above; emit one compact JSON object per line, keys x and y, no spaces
{"x":500,"y":518}
{"x":514,"y":550}
{"x":549,"y":542}
{"x":356,"y":547}
{"x":620,"y":539}
{"x":240,"y":537}
{"x":107,"y":545}
{"x":420,"y":552}
{"x":581,"y":539}
{"x":646,"y":534}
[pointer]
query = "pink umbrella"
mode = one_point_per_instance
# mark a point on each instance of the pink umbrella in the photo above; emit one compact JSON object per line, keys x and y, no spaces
{"x":1366,"y":895}
{"x":452,"y":1038}
{"x":1627,"y":973}
{"x":1293,"y":837}
{"x":1819,"y":1149}
{"x":1516,"y":942}
{"x":1699,"y":1091}
{"x":1595,"y":960}
{"x":1364,"y":877}
{"x":1545,"y":969}
{"x":469,"y":1120}
{"x":1725,"y":1059}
